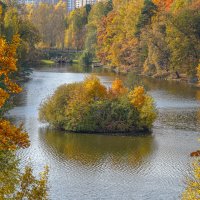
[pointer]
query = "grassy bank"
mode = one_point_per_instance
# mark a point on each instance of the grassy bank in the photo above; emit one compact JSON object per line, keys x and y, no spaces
{"x":47,"y":62}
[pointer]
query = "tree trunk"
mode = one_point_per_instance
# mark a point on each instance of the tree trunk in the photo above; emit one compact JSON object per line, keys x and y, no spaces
{"x":177,"y":75}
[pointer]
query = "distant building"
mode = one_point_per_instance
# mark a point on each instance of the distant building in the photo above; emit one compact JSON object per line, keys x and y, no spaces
{"x":39,"y":1}
{"x":29,"y":2}
{"x":81,"y":3}
{"x":71,"y":4}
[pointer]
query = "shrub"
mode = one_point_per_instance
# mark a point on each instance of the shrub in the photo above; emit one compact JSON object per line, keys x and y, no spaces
{"x":85,"y":58}
{"x":145,"y":105}
{"x":91,"y":107}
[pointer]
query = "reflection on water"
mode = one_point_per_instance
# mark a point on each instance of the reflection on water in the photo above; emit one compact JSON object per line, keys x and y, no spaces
{"x":93,"y":149}
{"x":85,"y":167}
{"x":74,"y":68}
{"x":169,"y":94}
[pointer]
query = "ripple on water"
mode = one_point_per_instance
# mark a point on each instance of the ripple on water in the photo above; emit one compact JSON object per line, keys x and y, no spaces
{"x":86,"y":167}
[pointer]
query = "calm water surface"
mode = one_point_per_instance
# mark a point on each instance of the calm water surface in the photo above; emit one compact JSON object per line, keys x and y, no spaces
{"x":85,"y":167}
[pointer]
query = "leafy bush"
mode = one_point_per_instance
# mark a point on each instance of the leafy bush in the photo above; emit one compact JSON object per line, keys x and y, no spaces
{"x":86,"y":58}
{"x":91,"y":107}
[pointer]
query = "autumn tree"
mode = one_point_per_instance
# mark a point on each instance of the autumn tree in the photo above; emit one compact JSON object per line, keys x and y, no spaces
{"x":145,"y":105}
{"x":158,"y":38}
{"x":13,"y":183}
{"x":7,"y":66}
{"x":76,"y":28}
{"x":98,"y":11}
{"x":163,"y":4}
{"x":154,"y":50}
{"x":117,"y":45}
{"x":14,"y":21}
{"x":50,"y":22}
{"x":118,"y":88}
{"x":183,"y":40}
{"x":192,"y":190}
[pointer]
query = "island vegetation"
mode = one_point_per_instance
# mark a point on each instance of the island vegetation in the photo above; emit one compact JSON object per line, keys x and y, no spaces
{"x":90,"y":107}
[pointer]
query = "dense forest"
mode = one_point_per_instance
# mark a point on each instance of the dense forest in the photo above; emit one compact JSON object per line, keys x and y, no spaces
{"x":156,"y":38}
{"x":150,"y":37}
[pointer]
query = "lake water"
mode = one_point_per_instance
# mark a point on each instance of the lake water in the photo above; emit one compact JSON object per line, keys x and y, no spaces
{"x":87,"y":167}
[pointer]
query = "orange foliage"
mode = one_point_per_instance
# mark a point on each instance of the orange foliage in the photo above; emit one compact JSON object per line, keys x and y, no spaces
{"x":163,"y":4}
{"x":138,"y":97}
{"x":118,"y":87}
{"x":8,"y":65}
{"x":195,"y":5}
{"x":117,"y":46}
{"x":11,"y":137}
{"x":106,"y":33}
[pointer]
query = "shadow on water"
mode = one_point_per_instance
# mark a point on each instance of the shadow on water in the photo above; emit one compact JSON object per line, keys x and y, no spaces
{"x":90,"y":149}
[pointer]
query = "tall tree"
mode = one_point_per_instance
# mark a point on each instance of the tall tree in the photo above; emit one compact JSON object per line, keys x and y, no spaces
{"x":50,"y":21}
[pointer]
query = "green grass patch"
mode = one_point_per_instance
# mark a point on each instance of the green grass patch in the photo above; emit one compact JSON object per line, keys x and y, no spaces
{"x":75,"y":61}
{"x":47,"y":62}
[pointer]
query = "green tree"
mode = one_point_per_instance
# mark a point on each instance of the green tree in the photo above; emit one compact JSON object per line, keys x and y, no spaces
{"x":148,"y":11}
{"x":50,"y":22}
{"x":183,"y":37}
{"x":75,"y":33}
{"x":97,"y":12}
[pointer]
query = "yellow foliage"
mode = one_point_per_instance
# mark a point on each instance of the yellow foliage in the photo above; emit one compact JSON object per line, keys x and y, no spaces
{"x":94,"y":89}
{"x":90,"y":106}
{"x":148,"y":112}
{"x":30,"y":187}
{"x":77,"y":105}
{"x":145,"y":105}
{"x":137,"y":97}
{"x":3,"y":97}
{"x":12,"y":137}
{"x":115,"y":35}
{"x":18,"y":186}
{"x":192,"y":191}
{"x":198,"y":72}
{"x":1,"y":10}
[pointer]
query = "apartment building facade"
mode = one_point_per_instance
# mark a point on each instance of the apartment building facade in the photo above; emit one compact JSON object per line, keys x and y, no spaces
{"x":71,"y":4}
{"x":81,"y":3}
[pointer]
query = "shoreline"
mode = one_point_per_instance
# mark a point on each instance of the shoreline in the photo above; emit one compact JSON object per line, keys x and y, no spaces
{"x":158,"y":77}
{"x":128,"y":133}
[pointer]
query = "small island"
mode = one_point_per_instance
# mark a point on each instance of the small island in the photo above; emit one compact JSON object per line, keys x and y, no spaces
{"x":90,"y":107}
